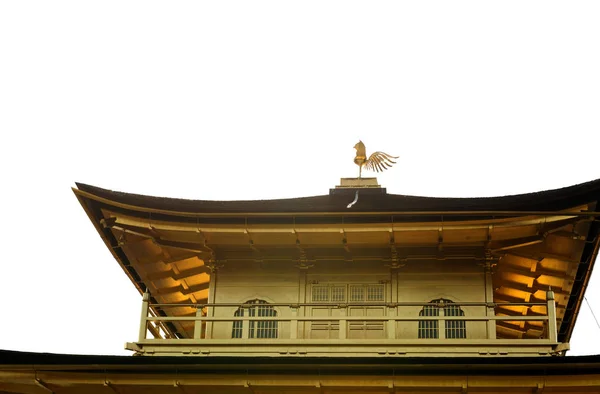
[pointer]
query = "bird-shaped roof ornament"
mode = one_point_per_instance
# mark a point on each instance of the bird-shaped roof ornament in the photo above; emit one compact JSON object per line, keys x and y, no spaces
{"x":378,"y":161}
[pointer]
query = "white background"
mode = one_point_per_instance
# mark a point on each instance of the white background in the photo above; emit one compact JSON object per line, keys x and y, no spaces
{"x":265,"y":99}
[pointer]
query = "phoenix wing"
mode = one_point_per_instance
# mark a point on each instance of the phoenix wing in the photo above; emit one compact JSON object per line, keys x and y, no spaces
{"x":379,"y":161}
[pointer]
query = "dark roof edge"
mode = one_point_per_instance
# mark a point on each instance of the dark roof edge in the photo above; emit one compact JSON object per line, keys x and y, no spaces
{"x":549,"y":200}
{"x":506,"y":365}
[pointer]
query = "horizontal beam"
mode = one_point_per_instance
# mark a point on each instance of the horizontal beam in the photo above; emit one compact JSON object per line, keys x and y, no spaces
{"x":349,"y":318}
{"x":357,"y":251}
{"x":549,"y":223}
{"x":348,"y":305}
{"x":353,"y":342}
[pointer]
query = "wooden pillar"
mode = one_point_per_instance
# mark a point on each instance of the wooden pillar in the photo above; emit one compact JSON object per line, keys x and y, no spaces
{"x":343,"y":328}
{"x":393,"y":310}
{"x":294,"y":323}
{"x":391,"y":329}
{"x":552,"y":329}
{"x":198,"y":324}
{"x":212,"y":288}
{"x":489,"y":299}
{"x":442,"y":324}
{"x":394,"y":284}
{"x":144,"y":317}
{"x":246,"y":324}
{"x":302,"y":299}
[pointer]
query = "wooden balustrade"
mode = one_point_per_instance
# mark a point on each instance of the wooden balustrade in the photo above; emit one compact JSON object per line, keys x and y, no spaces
{"x":390,"y":320}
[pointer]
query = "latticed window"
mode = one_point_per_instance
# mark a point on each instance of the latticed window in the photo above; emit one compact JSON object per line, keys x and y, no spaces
{"x":429,"y":328}
{"x":236,"y":332}
{"x":350,"y":293}
{"x":454,"y":329}
{"x":368,"y":293}
{"x":329,"y":293}
{"x":357,"y":293}
{"x":256,"y":329}
{"x":320,"y":293}
{"x":375,"y":293}
{"x":338,"y":293}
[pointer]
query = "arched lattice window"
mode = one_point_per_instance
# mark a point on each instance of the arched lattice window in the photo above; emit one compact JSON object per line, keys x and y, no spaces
{"x":256,"y":329}
{"x":429,"y":328}
{"x":454,"y":329}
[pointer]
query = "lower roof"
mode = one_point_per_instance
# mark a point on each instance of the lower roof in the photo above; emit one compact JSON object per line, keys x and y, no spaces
{"x":575,"y":365}
{"x":73,"y":374}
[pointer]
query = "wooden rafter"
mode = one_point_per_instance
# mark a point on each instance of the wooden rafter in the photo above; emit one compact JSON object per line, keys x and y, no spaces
{"x":515,"y":243}
{"x":534,"y":288}
{"x":540,"y":256}
{"x":510,"y":269}
{"x":178,"y":276}
{"x":186,"y":290}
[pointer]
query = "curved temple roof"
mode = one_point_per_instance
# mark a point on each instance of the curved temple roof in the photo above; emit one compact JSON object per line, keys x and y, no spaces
{"x":539,"y":240}
{"x":370,"y":201}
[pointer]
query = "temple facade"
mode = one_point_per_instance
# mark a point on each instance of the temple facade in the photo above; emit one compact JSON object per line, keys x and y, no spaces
{"x":356,"y":290}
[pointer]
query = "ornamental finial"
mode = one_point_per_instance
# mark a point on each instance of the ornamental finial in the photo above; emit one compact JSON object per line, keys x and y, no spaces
{"x":378,"y":161}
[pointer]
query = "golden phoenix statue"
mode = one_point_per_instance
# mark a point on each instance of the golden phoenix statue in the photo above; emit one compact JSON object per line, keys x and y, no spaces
{"x":378,"y":161}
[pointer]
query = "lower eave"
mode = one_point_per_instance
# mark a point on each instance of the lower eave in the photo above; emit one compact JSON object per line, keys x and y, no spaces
{"x":514,"y":366}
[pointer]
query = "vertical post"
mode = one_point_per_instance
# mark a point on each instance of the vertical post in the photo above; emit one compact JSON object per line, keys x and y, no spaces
{"x":294,"y":323}
{"x":391,"y":329}
{"x":343,"y":328}
{"x":393,"y":284}
{"x":442,"y":324}
{"x":302,"y":299}
{"x":198,"y":324}
{"x":246,"y":325}
{"x":489,"y":300}
{"x":393,"y":310}
{"x":552,"y":331}
{"x":144,"y":317}
{"x":343,"y":334}
{"x":212,"y":287}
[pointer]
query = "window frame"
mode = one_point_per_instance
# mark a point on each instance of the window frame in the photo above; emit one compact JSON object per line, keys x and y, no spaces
{"x":262,"y":329}
{"x":453,"y":329}
{"x":366,"y":289}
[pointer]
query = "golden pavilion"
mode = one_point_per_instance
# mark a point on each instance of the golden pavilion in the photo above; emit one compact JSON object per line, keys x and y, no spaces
{"x":389,"y":294}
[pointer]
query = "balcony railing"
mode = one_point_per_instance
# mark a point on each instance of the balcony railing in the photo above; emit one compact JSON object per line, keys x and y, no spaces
{"x":209,"y":331}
